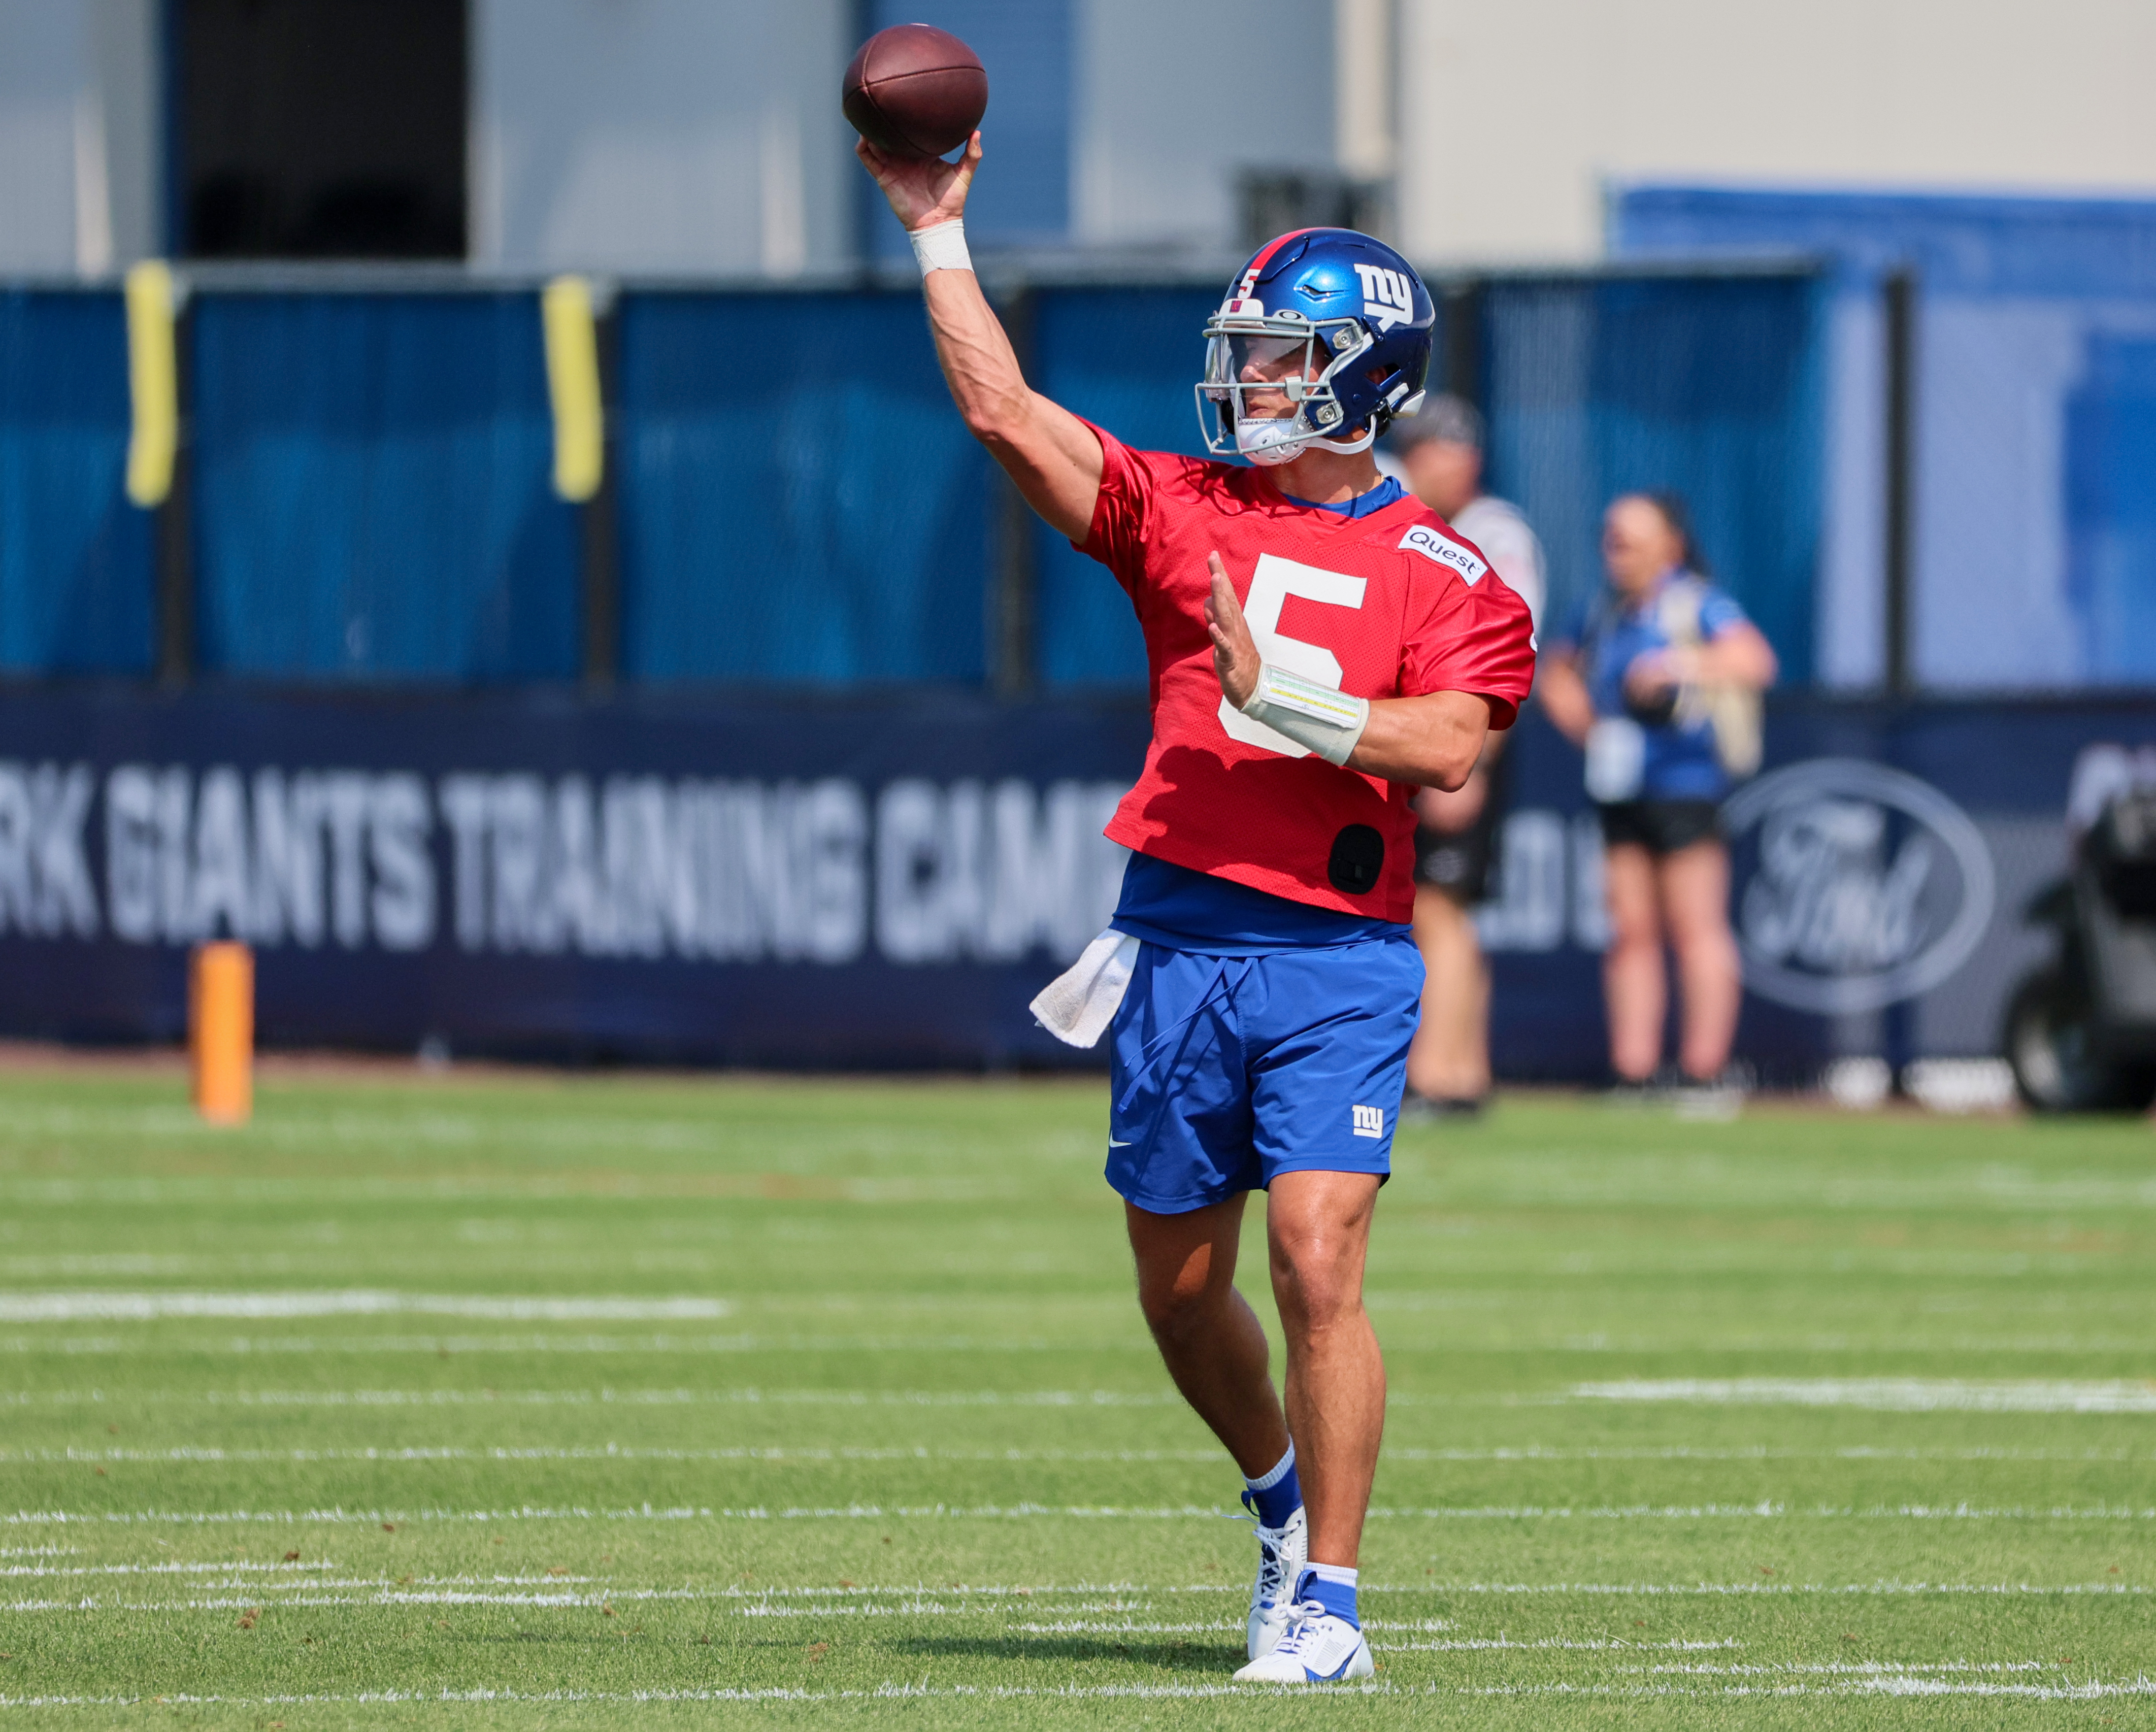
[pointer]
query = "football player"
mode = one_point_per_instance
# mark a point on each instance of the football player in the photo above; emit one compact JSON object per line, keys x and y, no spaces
{"x":1321,"y":646}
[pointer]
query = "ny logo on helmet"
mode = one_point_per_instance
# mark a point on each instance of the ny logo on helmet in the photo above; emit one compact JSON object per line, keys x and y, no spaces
{"x":1388,"y":295}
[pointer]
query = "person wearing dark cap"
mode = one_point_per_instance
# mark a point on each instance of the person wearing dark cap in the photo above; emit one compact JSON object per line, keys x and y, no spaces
{"x":1437,"y":453}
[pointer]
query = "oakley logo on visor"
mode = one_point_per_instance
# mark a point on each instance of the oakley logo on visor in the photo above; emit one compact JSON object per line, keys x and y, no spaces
{"x":1387,"y":296}
{"x":1430,"y":545}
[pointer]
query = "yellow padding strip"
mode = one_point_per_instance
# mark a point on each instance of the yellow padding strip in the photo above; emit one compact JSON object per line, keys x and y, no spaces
{"x":153,"y":380}
{"x":572,"y":382}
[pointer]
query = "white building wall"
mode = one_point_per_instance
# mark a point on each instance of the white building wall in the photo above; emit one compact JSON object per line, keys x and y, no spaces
{"x":660,"y":136}
{"x":78,"y":105}
{"x":1175,"y":96}
{"x":1515,"y":116}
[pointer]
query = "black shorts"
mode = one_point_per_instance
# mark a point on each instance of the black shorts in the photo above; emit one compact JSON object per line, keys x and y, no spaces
{"x":1459,"y":862}
{"x":1661,"y":827}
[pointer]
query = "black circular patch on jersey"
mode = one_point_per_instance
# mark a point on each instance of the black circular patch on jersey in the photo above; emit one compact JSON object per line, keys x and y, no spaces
{"x":1359,"y":857}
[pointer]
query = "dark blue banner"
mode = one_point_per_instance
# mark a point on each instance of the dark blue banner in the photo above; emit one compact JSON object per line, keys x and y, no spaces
{"x":887,"y":882}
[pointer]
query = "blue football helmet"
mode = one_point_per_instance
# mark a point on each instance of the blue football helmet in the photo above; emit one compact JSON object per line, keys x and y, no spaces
{"x":1354,"y":319}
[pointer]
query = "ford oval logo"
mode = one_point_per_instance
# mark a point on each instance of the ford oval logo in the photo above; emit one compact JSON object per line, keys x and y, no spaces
{"x":1861,"y":886}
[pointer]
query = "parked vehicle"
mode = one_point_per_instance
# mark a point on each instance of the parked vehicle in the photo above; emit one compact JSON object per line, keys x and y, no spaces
{"x":2080,"y":1031}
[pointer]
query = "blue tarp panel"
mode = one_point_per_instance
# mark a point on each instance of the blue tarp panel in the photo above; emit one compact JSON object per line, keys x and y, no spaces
{"x":799,"y":501}
{"x":2033,"y":568}
{"x":373,"y":493}
{"x":1029,"y":49}
{"x":77,"y":566}
{"x":1962,"y":245}
{"x":1707,"y":387}
{"x":1127,"y":360}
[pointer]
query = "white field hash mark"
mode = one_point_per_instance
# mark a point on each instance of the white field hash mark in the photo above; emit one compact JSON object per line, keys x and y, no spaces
{"x":96,"y":1305}
{"x":1906,"y":1395}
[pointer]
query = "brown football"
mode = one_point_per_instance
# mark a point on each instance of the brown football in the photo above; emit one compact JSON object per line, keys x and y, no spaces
{"x":915,"y":90}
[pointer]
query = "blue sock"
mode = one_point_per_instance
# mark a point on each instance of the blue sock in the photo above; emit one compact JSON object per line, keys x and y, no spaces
{"x":1278,"y":1496}
{"x":1332,"y":1587}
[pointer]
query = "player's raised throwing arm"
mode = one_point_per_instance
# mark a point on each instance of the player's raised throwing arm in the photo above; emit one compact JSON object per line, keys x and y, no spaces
{"x":1050,"y":453}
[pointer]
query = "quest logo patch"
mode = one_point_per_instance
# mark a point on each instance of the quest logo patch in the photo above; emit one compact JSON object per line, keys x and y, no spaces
{"x":1430,"y":545}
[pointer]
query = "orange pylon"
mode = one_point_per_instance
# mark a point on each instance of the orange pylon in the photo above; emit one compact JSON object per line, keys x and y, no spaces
{"x":221,"y":1031}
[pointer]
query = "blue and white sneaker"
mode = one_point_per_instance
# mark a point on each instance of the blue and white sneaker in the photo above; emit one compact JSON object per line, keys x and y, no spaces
{"x":1282,"y":1553}
{"x":1318,"y":1649}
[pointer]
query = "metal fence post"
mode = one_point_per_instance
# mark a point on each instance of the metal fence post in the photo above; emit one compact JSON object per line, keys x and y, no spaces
{"x":174,"y":648}
{"x":1463,"y":340}
{"x":1899,"y":294}
{"x":598,"y":521}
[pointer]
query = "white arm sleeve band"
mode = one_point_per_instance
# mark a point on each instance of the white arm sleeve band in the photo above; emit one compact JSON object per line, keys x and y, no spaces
{"x":941,"y":246}
{"x":1321,"y":717}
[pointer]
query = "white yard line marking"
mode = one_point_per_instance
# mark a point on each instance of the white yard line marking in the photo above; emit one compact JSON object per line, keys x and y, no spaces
{"x":1911,"y":1394}
{"x":1028,"y":1512}
{"x":1494,"y":1643}
{"x":604,"y":1452}
{"x":604,"y":1396}
{"x":1711,"y":1589}
{"x":91,"y":1305}
{"x":111,"y":1345}
{"x":1897,"y":1685}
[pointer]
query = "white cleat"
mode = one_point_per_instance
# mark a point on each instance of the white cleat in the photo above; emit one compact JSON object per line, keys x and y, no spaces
{"x":1282,"y":1553}
{"x":1318,"y":1649}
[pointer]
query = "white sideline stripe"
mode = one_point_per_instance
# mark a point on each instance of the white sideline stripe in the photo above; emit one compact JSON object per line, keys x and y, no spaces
{"x":1714,"y":1589}
{"x":604,"y":1452}
{"x":1898,"y":1684}
{"x":749,"y":1396}
{"x":109,"y":1345}
{"x":1911,"y":1394}
{"x":1026,"y":1512}
{"x":87,"y":1305}
{"x":1486,"y":1644}
{"x":920,"y":1452}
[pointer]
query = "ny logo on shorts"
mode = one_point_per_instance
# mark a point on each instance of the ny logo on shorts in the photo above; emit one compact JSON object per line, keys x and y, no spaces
{"x":1370,"y":1121}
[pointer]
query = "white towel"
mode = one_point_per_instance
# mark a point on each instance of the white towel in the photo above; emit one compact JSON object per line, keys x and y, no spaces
{"x":1077,"y":1006}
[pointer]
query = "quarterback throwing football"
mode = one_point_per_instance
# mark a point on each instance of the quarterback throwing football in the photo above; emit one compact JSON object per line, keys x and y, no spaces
{"x":1320,"y":645}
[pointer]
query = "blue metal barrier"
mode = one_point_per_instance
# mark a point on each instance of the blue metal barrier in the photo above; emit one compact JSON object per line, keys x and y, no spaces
{"x":372,"y":492}
{"x":799,"y":501}
{"x":77,"y":574}
{"x":1709,"y":387}
{"x":1126,"y":359}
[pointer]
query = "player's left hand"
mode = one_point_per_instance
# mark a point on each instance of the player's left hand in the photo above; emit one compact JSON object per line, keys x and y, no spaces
{"x":1235,"y":656}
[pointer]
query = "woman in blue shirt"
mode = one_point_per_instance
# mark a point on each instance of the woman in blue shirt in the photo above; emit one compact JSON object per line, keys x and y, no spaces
{"x":1635,"y":683}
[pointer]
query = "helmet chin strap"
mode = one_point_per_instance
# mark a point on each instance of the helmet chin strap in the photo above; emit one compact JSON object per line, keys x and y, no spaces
{"x":1271,"y":454}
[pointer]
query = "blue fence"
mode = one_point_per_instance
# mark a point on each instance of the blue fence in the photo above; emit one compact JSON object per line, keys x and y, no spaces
{"x":794,"y":501}
{"x":2033,"y":564}
{"x":372,"y":495}
{"x":76,"y":578}
{"x":1706,"y":387}
{"x":799,"y":503}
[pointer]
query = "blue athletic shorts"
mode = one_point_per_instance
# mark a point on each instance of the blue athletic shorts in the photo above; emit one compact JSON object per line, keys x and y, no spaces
{"x":1230,"y":1070}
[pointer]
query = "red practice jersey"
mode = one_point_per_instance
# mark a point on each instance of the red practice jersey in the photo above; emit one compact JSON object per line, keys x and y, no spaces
{"x":1393,"y":605}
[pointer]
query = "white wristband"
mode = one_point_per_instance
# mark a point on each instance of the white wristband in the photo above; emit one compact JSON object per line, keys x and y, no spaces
{"x":1321,"y":717}
{"x":940,"y":246}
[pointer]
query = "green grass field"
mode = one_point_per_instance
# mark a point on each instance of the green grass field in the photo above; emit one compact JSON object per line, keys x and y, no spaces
{"x":481,"y":1401}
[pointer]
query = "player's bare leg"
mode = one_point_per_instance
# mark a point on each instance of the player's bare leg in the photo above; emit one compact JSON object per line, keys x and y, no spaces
{"x":1451,"y":1057}
{"x":1211,"y":1341}
{"x":1317,"y":1229}
{"x":1694,"y":886}
{"x":1636,"y":983}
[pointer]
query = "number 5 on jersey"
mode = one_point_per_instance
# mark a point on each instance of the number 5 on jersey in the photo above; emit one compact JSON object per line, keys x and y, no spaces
{"x":1276,"y":580}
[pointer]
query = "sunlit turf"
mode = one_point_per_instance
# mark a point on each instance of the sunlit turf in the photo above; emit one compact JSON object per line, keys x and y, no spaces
{"x":501,"y":1401}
